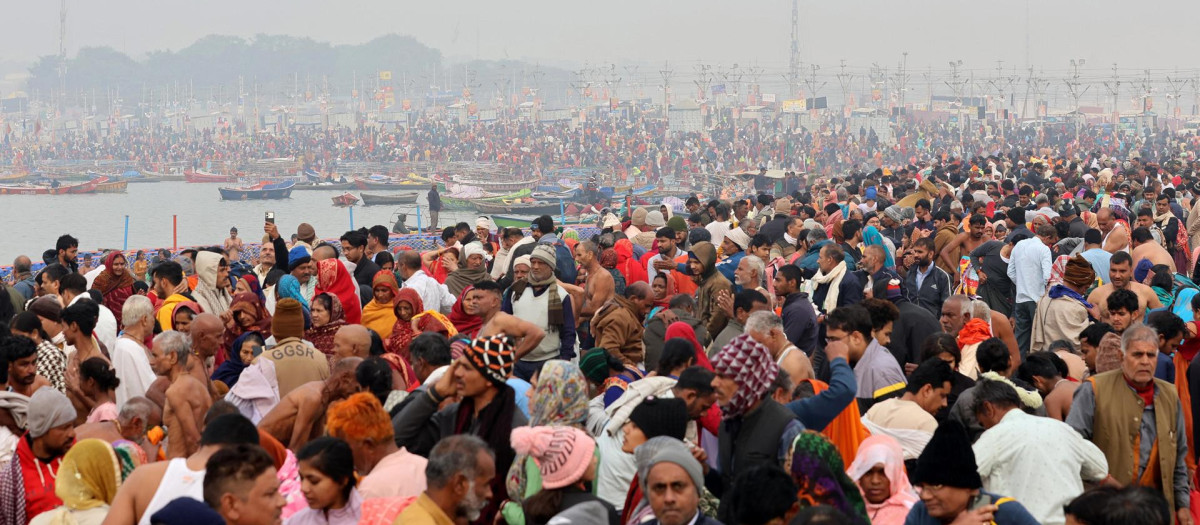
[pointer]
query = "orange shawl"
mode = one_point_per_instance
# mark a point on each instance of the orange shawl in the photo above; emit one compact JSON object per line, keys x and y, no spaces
{"x":846,"y":431}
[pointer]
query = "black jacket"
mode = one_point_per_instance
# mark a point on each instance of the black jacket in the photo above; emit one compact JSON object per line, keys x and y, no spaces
{"x":933,"y":290}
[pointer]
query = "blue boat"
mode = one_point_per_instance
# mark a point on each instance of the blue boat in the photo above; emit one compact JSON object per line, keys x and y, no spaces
{"x":265,"y":190}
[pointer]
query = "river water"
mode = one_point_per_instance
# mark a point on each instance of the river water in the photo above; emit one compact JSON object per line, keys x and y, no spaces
{"x":33,"y":222}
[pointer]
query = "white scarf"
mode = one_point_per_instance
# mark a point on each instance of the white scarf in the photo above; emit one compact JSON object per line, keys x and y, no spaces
{"x":789,"y":239}
{"x":833,"y":279}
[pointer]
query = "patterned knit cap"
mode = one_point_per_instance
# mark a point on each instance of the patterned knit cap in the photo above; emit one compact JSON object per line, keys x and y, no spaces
{"x":561,"y":453}
{"x":492,"y":356}
{"x":749,"y":364}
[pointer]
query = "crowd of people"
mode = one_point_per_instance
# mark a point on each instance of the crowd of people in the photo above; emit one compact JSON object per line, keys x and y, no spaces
{"x":639,"y":148}
{"x":899,"y":346}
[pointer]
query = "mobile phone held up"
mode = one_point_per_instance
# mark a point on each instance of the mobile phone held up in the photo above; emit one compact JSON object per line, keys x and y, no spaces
{"x":271,"y":217}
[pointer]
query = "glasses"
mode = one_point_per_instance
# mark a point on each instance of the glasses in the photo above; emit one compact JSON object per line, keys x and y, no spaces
{"x":923,"y":487}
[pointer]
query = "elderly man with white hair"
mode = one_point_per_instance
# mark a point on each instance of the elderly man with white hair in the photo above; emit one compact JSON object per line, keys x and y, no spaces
{"x":767,"y":328}
{"x":1107,"y":407}
{"x":749,"y":275}
{"x":130,"y":357}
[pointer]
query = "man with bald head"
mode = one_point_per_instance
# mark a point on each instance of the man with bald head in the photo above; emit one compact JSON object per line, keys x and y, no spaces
{"x":1116,"y":237}
{"x":324,"y":251}
{"x":137,"y":416}
{"x":352,"y":340}
{"x":618,"y":324}
{"x":23,"y":280}
{"x":207,"y":332}
{"x":300,"y":416}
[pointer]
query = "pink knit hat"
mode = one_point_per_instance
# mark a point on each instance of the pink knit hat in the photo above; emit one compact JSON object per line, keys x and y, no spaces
{"x":562,"y":454}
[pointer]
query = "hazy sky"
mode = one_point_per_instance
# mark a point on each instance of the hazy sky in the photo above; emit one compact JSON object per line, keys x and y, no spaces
{"x":650,"y":31}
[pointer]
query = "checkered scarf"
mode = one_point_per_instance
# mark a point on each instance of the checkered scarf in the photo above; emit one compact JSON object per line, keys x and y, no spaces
{"x":750,"y":365}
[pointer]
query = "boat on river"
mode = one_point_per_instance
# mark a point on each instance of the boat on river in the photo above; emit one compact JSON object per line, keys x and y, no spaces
{"x":520,"y":208}
{"x":324,"y":186}
{"x":266,"y":190}
{"x":200,"y":176}
{"x":371,"y":199}
{"x":345,"y":199}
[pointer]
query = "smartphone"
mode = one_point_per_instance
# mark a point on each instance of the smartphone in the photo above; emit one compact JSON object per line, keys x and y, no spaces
{"x":271,"y":217}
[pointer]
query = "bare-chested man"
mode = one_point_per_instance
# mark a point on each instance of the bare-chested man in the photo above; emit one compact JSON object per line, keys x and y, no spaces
{"x":1120,"y":275}
{"x":964,"y":243}
{"x":598,"y":290}
{"x":138,"y":415}
{"x":187,"y":398}
{"x":300,"y":416}
{"x":1145,"y":247}
{"x":151,"y":487}
{"x":207,"y":332}
{"x":484,"y":301}
{"x":1116,"y":235}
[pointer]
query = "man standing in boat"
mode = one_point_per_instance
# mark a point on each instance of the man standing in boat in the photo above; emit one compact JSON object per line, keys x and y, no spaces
{"x":435,"y":206}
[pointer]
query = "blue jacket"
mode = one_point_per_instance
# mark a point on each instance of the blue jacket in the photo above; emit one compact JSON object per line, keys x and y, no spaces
{"x":817,"y":412}
{"x":727,"y":266}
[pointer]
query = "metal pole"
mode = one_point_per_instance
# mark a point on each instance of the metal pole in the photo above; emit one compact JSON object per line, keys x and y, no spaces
{"x":174,"y":233}
{"x":419,"y":228}
{"x":351,"y":208}
{"x":562,"y":210}
{"x":125,"y":244}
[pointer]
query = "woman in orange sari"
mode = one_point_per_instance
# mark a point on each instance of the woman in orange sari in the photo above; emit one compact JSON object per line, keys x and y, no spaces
{"x":408,"y":303}
{"x":379,"y":314}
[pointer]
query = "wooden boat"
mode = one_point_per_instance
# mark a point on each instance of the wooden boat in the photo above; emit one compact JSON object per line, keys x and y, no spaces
{"x":199,"y":176}
{"x":345,"y":199}
{"x":31,"y":189}
{"x":500,"y":186}
{"x":451,"y":202}
{"x":113,"y":186}
{"x":9,"y":178}
{"x":86,"y":187}
{"x":369,"y":199}
{"x":262,"y":191}
{"x":521,"y":208}
{"x":165,"y":177}
{"x":362,"y":184}
{"x":324,"y":186}
{"x":523,"y":221}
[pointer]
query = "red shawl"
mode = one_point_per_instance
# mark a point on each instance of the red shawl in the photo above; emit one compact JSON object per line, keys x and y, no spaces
{"x":248,"y":303}
{"x":466,"y":324}
{"x":683,"y":330}
{"x":115,"y":288}
{"x":333,"y":278}
{"x":403,"y":331}
{"x":627,"y":265}
{"x":974,"y":331}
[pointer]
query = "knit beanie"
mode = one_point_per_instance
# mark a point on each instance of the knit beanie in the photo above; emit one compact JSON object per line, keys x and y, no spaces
{"x":544,"y":253}
{"x":562,"y":454}
{"x":669,"y":450}
{"x":948,"y":459}
{"x":297,"y":256}
{"x":288,"y":320}
{"x":185,"y":510}
{"x":492,"y":356}
{"x":657,"y":416}
{"x":677,"y":223}
{"x":639,"y":217}
{"x":655,"y":219}
{"x":306,"y":233}
{"x":594,"y":365}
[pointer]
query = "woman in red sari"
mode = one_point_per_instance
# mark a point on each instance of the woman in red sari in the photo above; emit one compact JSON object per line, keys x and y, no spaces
{"x":245,"y":314}
{"x":332,"y":277}
{"x":466,"y":324}
{"x":327,"y":318}
{"x":408,"y":303}
{"x":115,"y":283}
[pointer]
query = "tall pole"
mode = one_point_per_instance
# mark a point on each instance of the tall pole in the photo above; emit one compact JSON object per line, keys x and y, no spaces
{"x":794,"y":58}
